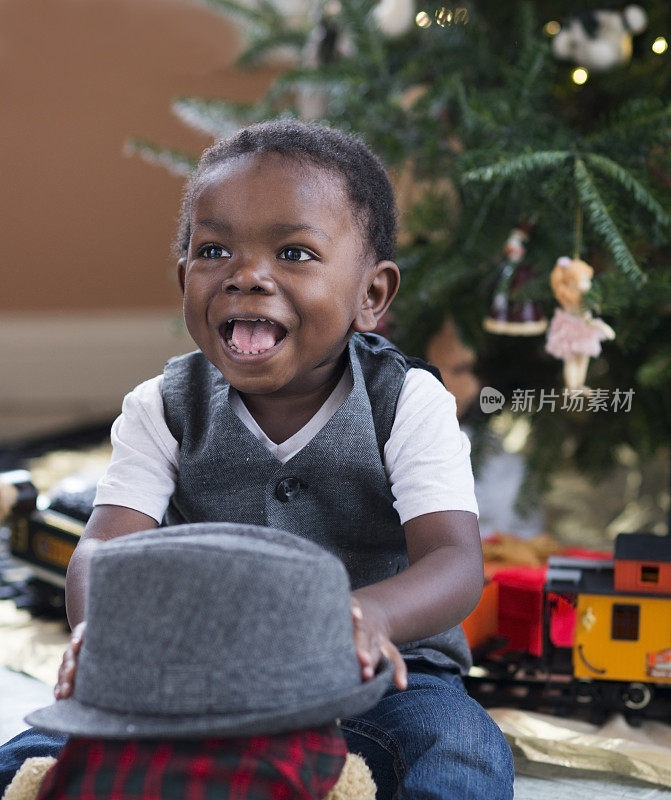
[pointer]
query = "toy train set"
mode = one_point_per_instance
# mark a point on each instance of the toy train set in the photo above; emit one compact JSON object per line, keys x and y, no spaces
{"x":582,"y":633}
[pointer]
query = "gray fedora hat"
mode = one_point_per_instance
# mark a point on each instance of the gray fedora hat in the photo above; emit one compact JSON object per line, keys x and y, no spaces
{"x":214,"y":629}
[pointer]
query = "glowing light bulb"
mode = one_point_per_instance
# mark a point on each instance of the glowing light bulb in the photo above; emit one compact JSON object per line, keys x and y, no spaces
{"x":551,"y":28}
{"x":461,"y":16}
{"x":444,"y":16}
{"x":579,"y":75}
{"x":422,"y":20}
{"x":660,"y":45}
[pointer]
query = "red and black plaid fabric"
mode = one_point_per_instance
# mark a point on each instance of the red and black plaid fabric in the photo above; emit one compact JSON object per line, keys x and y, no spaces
{"x":302,"y":765}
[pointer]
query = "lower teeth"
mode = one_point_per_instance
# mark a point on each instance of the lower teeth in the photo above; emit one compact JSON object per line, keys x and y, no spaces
{"x":229,"y":342}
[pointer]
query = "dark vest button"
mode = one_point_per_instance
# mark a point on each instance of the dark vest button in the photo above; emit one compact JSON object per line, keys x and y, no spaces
{"x":287,"y":489}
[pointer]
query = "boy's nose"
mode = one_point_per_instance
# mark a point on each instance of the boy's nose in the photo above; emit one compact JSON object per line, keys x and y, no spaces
{"x":249,"y":278}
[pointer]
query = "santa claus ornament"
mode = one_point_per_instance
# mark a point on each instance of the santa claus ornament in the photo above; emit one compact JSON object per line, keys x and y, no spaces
{"x":510,"y":312}
{"x":574,"y":334}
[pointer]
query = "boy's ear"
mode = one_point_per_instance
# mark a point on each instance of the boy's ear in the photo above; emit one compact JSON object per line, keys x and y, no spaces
{"x":381,"y":291}
{"x":181,"y":269}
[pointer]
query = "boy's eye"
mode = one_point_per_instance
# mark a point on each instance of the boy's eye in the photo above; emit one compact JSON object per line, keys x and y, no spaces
{"x":212,"y":251}
{"x":295,"y":254}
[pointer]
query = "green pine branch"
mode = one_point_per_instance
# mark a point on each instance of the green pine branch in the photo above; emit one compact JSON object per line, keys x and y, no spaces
{"x":656,"y":371}
{"x":639,"y":193}
{"x":517,"y":167}
{"x":524,"y":79}
{"x":262,"y":13}
{"x":644,"y":120}
{"x":175,"y":162}
{"x":219,"y":118}
{"x":482,"y":212}
{"x":277,"y":40}
{"x":602,"y":222}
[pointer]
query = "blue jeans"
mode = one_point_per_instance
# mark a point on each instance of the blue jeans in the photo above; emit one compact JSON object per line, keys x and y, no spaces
{"x":27,"y":744}
{"x":432,"y":742}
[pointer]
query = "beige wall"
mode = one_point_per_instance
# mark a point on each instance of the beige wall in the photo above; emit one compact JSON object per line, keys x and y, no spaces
{"x":83,"y":226}
{"x":89,"y":305}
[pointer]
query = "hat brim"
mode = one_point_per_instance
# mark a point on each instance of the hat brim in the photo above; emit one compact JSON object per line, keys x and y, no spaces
{"x":77,"y":719}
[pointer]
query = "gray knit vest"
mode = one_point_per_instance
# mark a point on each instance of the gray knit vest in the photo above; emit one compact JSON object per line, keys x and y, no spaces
{"x":334,"y":491}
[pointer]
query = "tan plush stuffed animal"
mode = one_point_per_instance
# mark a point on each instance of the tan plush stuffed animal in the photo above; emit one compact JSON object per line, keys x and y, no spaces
{"x":355,"y":781}
{"x":26,"y":783}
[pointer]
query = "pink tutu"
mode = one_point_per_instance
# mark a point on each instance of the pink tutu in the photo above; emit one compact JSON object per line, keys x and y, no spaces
{"x":571,"y":335}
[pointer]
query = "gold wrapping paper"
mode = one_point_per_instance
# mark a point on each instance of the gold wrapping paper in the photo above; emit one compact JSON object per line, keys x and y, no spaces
{"x":32,"y":646}
{"x":616,"y":747}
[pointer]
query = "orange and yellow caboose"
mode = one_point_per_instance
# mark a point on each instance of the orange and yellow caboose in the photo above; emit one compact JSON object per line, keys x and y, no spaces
{"x":594,"y":631}
{"x":623,"y":630}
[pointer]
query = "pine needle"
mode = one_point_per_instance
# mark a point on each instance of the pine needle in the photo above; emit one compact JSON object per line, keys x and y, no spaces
{"x":602,"y":223}
{"x":176,"y":163}
{"x":516,"y":167}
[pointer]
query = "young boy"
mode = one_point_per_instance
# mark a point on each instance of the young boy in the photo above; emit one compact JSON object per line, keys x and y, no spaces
{"x":293,"y":415}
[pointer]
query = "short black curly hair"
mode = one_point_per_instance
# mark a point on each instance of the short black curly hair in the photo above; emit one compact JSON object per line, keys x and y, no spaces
{"x":364,"y":176}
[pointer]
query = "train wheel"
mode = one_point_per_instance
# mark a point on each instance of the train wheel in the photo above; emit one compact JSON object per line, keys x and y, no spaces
{"x":585,"y":693}
{"x":636,"y":696}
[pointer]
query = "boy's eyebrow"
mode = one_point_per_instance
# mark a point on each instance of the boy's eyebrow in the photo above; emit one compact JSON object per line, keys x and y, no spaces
{"x":286,"y":228}
{"x":280,"y":229}
{"x":212,"y":224}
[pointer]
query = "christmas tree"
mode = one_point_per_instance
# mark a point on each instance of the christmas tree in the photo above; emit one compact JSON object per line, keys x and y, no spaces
{"x":488,"y":126}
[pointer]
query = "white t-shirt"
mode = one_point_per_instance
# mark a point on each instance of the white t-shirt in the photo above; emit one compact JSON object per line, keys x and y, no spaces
{"x":427,"y":457}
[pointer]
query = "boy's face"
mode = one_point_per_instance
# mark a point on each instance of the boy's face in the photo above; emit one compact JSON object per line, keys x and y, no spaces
{"x":278,"y":267}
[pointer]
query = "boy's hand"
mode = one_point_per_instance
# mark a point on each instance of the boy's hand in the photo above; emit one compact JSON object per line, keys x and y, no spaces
{"x":68,"y":668}
{"x":372,"y":642}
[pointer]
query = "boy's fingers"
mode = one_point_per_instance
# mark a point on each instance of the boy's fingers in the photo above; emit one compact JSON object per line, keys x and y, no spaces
{"x":68,"y":662}
{"x":366,"y":660}
{"x":400,"y":669}
{"x":77,"y":636}
{"x":369,"y":662}
{"x":65,"y":671}
{"x":65,"y":668}
{"x":371,"y":646}
{"x":64,"y":686}
{"x":68,"y":667}
{"x":62,"y":690}
{"x":64,"y":681}
{"x":368,"y":654}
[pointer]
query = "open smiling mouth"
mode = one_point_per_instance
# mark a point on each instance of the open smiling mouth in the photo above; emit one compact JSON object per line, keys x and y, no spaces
{"x":252,"y":336}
